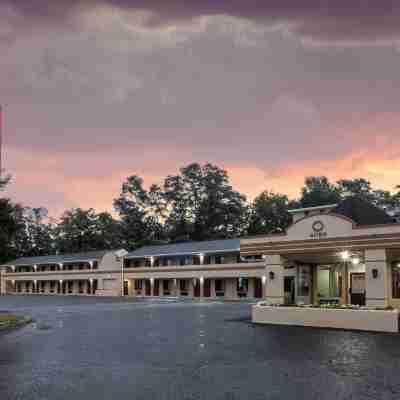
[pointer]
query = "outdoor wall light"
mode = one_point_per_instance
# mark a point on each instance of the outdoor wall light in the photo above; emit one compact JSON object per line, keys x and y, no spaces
{"x":271,"y":275}
{"x":355,"y":261}
{"x":374,"y":273}
{"x":345,"y":255}
{"x":264,"y":279}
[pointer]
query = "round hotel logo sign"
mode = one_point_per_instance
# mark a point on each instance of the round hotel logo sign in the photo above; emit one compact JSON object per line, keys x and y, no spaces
{"x":319,"y":231}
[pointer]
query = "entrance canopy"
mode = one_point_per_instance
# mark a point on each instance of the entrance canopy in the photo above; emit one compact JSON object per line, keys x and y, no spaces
{"x":325,"y":234}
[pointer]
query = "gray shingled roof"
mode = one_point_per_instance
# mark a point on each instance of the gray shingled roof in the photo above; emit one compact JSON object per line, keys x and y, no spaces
{"x":362,"y":212}
{"x":61,"y":258}
{"x":187,"y":248}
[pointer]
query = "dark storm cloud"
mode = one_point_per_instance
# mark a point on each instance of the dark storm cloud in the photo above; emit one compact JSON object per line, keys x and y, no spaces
{"x":319,"y":19}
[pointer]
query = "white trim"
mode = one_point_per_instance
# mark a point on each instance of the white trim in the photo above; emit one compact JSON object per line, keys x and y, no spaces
{"x":299,"y":210}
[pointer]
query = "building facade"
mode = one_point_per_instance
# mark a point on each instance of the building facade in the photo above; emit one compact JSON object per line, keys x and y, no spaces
{"x":92,"y":273}
{"x":208,"y":269}
{"x":341,"y":253}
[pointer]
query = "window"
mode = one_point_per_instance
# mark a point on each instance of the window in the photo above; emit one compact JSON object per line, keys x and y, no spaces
{"x":396,"y":281}
{"x":242,"y":284}
{"x":219,"y":285}
{"x":183,"y":285}
{"x":328,"y":281}
{"x":138,"y":284}
{"x":303,"y":282}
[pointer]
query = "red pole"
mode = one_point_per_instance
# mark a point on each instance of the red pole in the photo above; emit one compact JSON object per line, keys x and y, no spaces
{"x":1,"y":139}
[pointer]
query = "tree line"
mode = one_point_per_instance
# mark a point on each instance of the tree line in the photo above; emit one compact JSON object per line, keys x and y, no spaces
{"x":198,"y":203}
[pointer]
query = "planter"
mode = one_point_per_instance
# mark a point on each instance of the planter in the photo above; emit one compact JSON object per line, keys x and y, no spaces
{"x":12,"y":322}
{"x":364,"y":320}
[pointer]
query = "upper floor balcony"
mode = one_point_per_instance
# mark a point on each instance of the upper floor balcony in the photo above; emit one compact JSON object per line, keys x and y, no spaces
{"x":58,"y":267}
{"x":189,"y":261}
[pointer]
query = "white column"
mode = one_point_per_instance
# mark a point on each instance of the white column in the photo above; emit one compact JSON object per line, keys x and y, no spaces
{"x":201,"y":287}
{"x":190,"y":288}
{"x":274,"y":272}
{"x":2,"y":282}
{"x":250,"y":290}
{"x":264,"y":286}
{"x":376,"y":278}
{"x":212,"y":288}
{"x":151,"y":287}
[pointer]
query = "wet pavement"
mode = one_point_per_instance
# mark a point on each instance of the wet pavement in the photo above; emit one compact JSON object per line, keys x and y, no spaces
{"x":97,"y":348}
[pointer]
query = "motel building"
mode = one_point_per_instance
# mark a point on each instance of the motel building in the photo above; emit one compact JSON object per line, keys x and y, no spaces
{"x":340,"y":254}
{"x":208,"y":269}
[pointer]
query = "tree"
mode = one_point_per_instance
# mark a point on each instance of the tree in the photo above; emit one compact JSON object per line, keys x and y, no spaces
{"x":9,"y":225}
{"x":4,"y":181}
{"x":201,"y":204}
{"x":362,"y":188}
{"x":396,"y":196}
{"x":318,"y":191}
{"x":356,"y":187}
{"x":140,"y":212}
{"x":8,"y":230}
{"x":83,"y":230}
{"x":34,"y":236}
{"x":269,"y":214}
{"x":108,"y":232}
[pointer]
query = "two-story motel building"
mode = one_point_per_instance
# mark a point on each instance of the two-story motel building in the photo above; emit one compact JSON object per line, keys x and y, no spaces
{"x":341,"y":253}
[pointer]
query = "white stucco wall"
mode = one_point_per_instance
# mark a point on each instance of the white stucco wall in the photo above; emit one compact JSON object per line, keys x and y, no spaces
{"x":368,"y":320}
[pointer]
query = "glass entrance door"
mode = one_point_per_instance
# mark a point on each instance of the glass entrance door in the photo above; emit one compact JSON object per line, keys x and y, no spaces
{"x":357,"y":288}
{"x":289,"y":288}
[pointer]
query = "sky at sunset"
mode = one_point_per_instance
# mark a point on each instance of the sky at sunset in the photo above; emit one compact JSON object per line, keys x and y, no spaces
{"x":95,"y":91}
